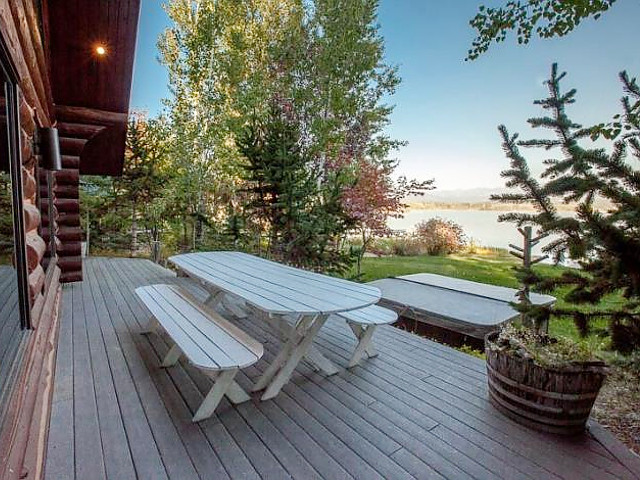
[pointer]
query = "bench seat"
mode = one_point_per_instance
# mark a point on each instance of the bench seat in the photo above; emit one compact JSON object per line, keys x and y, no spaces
{"x":208,"y":341}
{"x":363,"y":323}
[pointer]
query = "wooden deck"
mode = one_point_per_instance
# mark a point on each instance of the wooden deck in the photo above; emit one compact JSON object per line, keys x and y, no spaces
{"x":419,"y":410}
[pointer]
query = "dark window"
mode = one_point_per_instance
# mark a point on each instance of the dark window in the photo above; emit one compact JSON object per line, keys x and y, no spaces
{"x":14,"y":301}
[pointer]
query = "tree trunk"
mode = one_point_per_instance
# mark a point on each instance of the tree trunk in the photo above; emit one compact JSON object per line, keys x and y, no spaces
{"x":134,"y":230}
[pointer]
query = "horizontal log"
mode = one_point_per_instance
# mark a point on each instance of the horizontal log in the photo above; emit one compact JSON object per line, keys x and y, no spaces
{"x":67,"y":191}
{"x":68,"y":277}
{"x":36,"y":282}
{"x":78,"y":130}
{"x":28,"y":184}
{"x":26,"y":117}
{"x":31,"y":218}
{"x":36,"y":310}
{"x":69,"y":249}
{"x":44,"y":232}
{"x":36,"y":247}
{"x":44,"y":207}
{"x":69,"y":220}
{"x":89,"y":115}
{"x":70,"y":161}
{"x":69,"y":234}
{"x":67,"y":176}
{"x":70,"y":264}
{"x":71,"y":146}
{"x":68,"y":205}
{"x":26,"y":148}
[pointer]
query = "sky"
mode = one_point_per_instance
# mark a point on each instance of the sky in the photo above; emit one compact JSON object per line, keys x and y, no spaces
{"x":447,"y":109}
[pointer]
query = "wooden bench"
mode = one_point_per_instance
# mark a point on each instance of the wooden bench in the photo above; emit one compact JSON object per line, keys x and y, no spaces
{"x":211,"y":343}
{"x":363,"y":322}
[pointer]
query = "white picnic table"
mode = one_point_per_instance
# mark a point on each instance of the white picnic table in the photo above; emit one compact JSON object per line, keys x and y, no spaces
{"x":275,"y":293}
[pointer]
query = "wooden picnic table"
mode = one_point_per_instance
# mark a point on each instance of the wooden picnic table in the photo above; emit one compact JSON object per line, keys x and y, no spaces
{"x":275,"y":293}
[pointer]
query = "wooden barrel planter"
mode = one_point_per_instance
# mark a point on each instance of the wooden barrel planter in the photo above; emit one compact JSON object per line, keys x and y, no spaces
{"x":555,"y":400}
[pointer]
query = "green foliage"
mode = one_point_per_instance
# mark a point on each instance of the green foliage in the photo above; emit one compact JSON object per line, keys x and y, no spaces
{"x":127,"y":212}
{"x":471,"y":351}
{"x":6,"y":216}
{"x":284,"y":198}
{"x":544,"y":18}
{"x":321,"y":65}
{"x":606,"y":243}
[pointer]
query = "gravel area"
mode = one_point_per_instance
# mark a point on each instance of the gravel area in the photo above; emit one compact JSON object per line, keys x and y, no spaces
{"x":618,"y":407}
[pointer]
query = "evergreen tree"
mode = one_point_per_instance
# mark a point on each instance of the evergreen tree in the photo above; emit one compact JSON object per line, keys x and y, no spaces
{"x":606,"y":243}
{"x":284,"y":196}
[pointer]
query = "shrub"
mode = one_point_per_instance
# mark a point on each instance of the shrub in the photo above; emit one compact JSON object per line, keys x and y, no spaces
{"x":407,"y":246}
{"x":438,"y":236}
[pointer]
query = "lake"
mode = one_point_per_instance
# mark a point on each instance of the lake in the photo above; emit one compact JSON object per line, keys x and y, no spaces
{"x":481,"y":226}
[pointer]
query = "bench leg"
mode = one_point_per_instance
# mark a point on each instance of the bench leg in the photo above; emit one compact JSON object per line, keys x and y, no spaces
{"x":294,"y":358}
{"x":172,"y":357}
{"x":151,"y":327}
{"x":219,"y":388}
{"x":364,"y":346}
{"x":358,"y":331}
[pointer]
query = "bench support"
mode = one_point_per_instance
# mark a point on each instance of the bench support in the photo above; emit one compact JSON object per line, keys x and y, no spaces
{"x":220,"y":387}
{"x":151,"y":327}
{"x":365,"y":346}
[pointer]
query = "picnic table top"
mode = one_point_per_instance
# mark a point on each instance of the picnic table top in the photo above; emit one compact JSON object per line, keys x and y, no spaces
{"x":452,"y":298}
{"x":273,"y":287}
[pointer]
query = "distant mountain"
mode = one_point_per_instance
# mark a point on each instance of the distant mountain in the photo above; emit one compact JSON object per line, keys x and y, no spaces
{"x":471,"y":195}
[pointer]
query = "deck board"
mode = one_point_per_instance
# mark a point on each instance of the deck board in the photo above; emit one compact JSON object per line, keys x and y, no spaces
{"x":419,"y":410}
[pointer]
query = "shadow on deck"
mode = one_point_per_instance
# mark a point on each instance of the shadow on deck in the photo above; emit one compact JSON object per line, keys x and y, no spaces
{"x":418,"y":410}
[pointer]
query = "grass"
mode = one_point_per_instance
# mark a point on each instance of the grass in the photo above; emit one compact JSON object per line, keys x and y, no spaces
{"x":490,"y":266}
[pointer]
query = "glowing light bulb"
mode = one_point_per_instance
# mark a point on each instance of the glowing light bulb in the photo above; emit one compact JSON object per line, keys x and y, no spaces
{"x":100,"y":50}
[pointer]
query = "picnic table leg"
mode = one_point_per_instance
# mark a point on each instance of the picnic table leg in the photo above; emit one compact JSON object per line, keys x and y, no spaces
{"x":364,"y":341}
{"x":317,"y":360}
{"x":314,"y":356}
{"x":220,"y":386}
{"x":294,"y":358}
{"x":283,"y":354}
{"x":281,"y":325}
{"x":172,"y":357}
{"x":214,"y":298}
{"x":220,"y":298}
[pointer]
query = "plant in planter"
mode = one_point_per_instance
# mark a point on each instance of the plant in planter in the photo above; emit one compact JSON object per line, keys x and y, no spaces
{"x":548,"y":383}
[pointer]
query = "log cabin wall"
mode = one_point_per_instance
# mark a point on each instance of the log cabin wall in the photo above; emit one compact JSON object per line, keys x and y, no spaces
{"x":20,"y":28}
{"x":23,"y":434}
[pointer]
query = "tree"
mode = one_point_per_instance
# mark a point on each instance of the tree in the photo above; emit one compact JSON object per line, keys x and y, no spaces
{"x":285,"y":198}
{"x":544,"y":18}
{"x":605,"y":242}
{"x":374,"y":197}
{"x":144,"y":174}
{"x":320,"y":64}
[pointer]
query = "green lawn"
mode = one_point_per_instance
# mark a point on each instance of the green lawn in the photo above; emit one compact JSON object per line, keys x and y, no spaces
{"x":491,"y":266}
